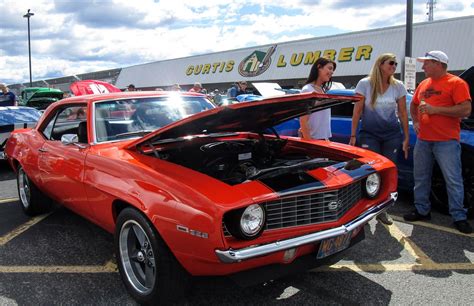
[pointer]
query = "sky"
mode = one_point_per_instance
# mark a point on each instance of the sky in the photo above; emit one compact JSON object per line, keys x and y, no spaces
{"x":73,"y":37}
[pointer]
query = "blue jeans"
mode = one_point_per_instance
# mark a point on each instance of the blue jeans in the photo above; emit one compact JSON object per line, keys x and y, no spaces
{"x":448,"y":156}
{"x":386,"y":147}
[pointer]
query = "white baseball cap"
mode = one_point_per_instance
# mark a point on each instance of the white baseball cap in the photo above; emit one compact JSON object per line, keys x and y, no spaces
{"x":438,"y":56}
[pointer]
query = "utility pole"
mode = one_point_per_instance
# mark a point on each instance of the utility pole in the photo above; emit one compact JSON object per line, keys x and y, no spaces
{"x":27,"y":16}
{"x":431,"y":4}
{"x":408,"y":69}
{"x":408,"y":34}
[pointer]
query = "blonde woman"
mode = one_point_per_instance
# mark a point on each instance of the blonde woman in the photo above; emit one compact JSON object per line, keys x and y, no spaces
{"x":382,"y":113}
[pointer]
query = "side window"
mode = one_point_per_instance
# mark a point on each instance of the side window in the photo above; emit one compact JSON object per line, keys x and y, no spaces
{"x":49,"y":128}
{"x":65,"y":121}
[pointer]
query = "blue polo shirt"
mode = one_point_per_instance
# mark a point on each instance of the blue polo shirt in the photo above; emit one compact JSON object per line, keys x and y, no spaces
{"x":7,"y":99}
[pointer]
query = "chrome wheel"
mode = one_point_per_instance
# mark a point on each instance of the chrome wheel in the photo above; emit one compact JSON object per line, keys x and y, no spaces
{"x":137,"y":257}
{"x":24,"y":188}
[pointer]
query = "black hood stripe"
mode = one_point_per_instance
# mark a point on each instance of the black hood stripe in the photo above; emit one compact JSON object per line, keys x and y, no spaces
{"x":355,"y":172}
{"x":292,"y":183}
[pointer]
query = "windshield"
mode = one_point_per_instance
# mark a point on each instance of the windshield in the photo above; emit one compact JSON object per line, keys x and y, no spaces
{"x":130,"y":118}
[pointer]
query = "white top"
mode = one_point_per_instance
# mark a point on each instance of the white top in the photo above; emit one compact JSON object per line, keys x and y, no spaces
{"x":320,"y":121}
{"x":382,"y":120}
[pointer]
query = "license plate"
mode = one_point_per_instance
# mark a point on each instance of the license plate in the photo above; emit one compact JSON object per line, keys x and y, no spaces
{"x":334,"y":245}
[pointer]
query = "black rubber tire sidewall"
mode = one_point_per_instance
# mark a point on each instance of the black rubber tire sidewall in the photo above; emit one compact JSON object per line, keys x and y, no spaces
{"x":171,"y":282}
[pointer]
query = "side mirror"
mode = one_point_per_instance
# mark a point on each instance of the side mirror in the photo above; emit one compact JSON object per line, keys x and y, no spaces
{"x":68,"y":139}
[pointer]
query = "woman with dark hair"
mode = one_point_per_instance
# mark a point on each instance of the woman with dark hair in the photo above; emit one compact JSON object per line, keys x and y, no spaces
{"x":382,"y":113}
{"x":318,"y":124}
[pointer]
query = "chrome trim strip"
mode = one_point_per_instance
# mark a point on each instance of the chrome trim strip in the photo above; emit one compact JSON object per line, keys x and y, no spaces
{"x":231,"y":256}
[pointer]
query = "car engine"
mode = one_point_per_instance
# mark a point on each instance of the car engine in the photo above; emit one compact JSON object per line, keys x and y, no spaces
{"x":238,"y":160}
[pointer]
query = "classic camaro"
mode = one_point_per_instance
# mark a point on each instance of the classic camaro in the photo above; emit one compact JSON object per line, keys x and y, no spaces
{"x":190,"y":189}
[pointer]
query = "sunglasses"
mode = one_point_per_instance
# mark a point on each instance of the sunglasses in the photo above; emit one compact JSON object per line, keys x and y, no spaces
{"x":434,"y":57}
{"x":391,"y":63}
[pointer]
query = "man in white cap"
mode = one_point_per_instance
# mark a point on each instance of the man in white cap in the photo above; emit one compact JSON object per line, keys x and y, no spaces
{"x":445,"y":99}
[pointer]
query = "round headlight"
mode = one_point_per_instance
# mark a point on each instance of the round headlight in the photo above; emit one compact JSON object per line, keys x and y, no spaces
{"x":245,"y":223}
{"x":372,"y":185}
{"x":252,"y":220}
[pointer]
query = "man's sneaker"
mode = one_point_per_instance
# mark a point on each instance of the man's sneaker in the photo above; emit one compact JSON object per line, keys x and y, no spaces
{"x":416,"y":216}
{"x":463,"y":226}
{"x":385,"y":218}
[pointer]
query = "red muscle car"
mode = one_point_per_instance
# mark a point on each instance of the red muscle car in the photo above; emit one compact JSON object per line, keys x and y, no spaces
{"x":190,"y":189}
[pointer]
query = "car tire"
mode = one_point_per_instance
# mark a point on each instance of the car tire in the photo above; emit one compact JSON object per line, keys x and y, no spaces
{"x":32,"y":200}
{"x":439,"y":195}
{"x":151,"y":273}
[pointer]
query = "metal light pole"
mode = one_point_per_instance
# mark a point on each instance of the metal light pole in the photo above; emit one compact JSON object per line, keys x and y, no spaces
{"x":28,"y":15}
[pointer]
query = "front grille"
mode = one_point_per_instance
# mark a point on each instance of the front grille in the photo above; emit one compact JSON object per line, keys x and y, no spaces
{"x":318,"y":207}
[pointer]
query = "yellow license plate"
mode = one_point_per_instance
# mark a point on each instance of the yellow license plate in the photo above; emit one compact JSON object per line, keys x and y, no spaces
{"x":333,"y":245}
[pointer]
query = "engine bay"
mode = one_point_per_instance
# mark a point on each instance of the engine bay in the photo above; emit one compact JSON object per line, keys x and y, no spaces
{"x":235,"y":161}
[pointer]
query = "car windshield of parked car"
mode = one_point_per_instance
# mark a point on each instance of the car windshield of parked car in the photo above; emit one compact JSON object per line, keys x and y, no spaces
{"x":130,"y":118}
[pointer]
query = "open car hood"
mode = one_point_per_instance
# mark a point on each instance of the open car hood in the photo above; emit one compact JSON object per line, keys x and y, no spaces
{"x":89,"y":87}
{"x":254,"y":116}
{"x":51,"y":94}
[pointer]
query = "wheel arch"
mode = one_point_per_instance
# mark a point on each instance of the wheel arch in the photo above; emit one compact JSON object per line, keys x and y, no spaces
{"x":119,"y":205}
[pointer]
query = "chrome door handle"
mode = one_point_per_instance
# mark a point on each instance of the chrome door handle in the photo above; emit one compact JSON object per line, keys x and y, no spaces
{"x":42,"y":150}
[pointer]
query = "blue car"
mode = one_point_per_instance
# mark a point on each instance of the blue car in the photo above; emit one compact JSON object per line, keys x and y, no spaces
{"x":15,"y":117}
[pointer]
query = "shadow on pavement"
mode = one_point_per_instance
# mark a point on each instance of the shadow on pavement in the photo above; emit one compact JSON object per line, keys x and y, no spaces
{"x":311,"y":288}
{"x":6,"y":172}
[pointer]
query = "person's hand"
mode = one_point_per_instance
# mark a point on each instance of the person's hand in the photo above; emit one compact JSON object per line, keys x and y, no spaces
{"x":406,"y":147}
{"x":352,"y":141}
{"x":416,"y":127}
{"x":427,"y":108}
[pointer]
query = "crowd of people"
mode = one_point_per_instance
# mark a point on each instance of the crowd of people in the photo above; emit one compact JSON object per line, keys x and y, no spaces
{"x":380,"y":124}
{"x":216,"y":95}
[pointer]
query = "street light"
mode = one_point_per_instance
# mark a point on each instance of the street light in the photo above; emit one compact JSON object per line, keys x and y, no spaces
{"x":28,"y":15}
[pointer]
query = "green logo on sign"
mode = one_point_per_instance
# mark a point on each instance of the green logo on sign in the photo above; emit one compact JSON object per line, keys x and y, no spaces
{"x":256,"y":63}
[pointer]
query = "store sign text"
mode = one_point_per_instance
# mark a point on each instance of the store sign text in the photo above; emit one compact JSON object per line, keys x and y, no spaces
{"x":346,"y":54}
{"x":210,"y":68}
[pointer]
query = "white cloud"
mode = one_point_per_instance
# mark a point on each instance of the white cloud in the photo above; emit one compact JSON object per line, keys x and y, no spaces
{"x":73,"y":37}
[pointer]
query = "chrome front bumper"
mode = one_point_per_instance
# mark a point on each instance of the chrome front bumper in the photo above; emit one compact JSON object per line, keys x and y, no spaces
{"x":231,"y":256}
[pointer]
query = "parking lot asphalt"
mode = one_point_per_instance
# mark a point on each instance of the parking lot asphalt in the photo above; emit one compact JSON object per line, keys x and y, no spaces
{"x":60,"y":258}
